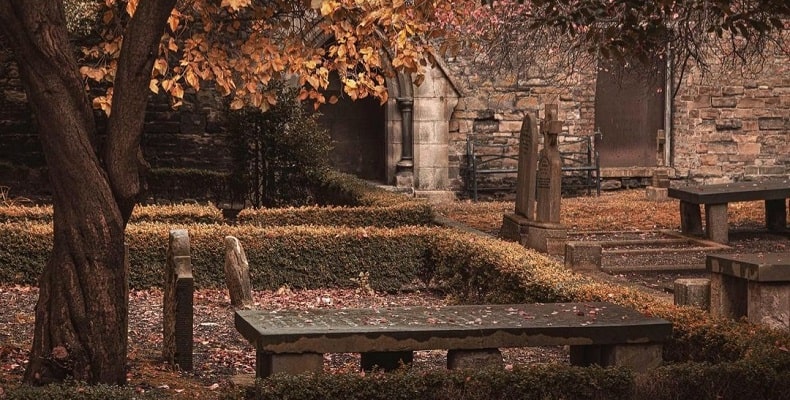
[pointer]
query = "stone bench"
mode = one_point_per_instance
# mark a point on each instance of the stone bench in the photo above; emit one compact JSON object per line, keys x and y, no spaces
{"x":715,"y":199}
{"x":756,"y":286}
{"x":290,"y":341}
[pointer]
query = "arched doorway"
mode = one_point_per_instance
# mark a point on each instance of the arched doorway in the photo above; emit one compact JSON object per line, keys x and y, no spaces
{"x":357,"y":129}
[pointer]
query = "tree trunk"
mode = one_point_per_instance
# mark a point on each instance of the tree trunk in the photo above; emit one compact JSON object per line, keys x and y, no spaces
{"x":82,"y":311}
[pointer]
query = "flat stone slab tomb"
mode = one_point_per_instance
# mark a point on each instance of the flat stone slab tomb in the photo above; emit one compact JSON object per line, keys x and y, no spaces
{"x":291,"y":341}
{"x":716,"y":197}
{"x":756,"y":286}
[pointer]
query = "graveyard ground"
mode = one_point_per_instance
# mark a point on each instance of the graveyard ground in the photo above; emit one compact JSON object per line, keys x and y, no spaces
{"x":221,"y":353}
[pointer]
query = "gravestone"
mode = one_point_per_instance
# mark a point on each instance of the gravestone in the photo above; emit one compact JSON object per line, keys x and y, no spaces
{"x":549,"y":178}
{"x":545,"y":233}
{"x":515,"y":225}
{"x":177,"y":313}
{"x":237,"y":274}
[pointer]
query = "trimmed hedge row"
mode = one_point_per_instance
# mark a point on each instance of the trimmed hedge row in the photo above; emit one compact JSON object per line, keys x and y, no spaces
{"x":353,"y":203}
{"x":533,"y":382}
{"x":73,"y":391}
{"x":474,"y":269}
{"x":708,"y":356}
{"x":301,"y":257}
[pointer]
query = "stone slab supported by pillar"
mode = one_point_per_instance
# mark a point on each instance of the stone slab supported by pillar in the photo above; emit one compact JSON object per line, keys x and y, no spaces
{"x":268,"y":364}
{"x":753,"y":285}
{"x":474,"y":359}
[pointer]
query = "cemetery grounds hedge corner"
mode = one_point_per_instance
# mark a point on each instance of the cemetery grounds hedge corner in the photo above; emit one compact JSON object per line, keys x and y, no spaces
{"x":706,"y":357}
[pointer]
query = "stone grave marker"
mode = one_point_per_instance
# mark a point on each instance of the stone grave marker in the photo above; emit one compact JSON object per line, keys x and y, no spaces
{"x":177,"y":313}
{"x":549,"y":177}
{"x":237,"y":274}
{"x":527,"y":161}
{"x":545,"y":233}
{"x":536,"y":222}
{"x":514,"y":225}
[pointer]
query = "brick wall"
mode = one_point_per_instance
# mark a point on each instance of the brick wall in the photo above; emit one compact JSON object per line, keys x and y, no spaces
{"x":734,"y":125}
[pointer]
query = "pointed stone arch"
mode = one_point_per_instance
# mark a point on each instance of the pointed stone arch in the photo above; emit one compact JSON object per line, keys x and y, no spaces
{"x":416,"y":123}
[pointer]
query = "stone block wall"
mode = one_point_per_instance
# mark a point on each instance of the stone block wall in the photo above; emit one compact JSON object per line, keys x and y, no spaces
{"x":491,"y":110}
{"x":192,"y":137}
{"x":733,"y":125}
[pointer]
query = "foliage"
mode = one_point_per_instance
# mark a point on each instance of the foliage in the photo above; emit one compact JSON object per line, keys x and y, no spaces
{"x":185,"y":183}
{"x":241,"y":46}
{"x":573,"y":35}
{"x":535,"y":382}
{"x":277,"y":153}
{"x":74,"y":391}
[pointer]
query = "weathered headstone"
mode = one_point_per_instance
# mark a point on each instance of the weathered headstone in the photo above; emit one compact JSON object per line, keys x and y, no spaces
{"x":545,"y":233}
{"x":237,"y":273}
{"x":514,"y":225}
{"x":549,"y":178}
{"x":177,"y":304}
{"x":527,"y":161}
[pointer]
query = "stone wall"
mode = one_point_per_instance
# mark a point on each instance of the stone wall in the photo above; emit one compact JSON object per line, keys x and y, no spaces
{"x":491,"y":110}
{"x":192,"y":137}
{"x":733,"y":125}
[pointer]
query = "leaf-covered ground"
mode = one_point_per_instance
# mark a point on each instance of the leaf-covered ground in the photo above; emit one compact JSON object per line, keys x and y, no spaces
{"x":221,"y":353}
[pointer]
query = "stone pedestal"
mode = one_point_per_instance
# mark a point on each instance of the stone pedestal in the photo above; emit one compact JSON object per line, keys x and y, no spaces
{"x":583,"y":256}
{"x":473,"y":359}
{"x":692,"y":292}
{"x":515,"y":227}
{"x":656,"y":194}
{"x":547,"y":237}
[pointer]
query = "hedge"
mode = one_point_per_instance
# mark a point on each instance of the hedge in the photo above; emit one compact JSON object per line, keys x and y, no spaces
{"x":705,"y":354}
{"x":345,"y":201}
{"x":537,"y":382}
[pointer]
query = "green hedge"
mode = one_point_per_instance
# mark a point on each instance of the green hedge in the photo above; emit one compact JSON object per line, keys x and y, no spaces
{"x":345,"y":201}
{"x":536,"y":382}
{"x":73,"y":391}
{"x":301,"y":257}
{"x":705,"y":354}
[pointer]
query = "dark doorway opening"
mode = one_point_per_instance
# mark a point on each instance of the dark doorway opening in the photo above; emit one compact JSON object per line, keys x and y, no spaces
{"x":358,"y":134}
{"x":629,"y":111}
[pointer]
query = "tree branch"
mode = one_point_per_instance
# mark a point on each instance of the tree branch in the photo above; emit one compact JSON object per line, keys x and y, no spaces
{"x":130,"y":98}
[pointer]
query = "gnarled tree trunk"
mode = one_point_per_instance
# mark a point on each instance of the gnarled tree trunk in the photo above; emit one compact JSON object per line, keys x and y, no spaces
{"x":82,"y":312}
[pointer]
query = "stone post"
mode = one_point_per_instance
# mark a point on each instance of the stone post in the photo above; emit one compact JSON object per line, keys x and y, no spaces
{"x":237,"y":274}
{"x":177,"y":303}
